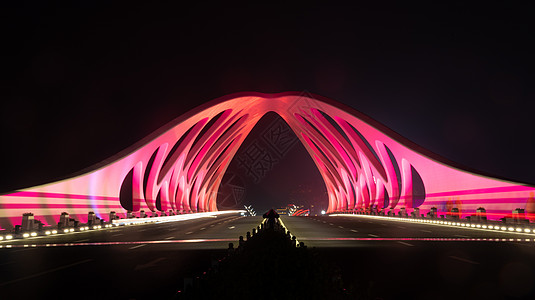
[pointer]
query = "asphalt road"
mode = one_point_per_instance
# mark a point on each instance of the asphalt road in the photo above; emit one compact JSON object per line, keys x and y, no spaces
{"x":130,"y":262}
{"x":353,"y":231}
{"x":399,"y":260}
{"x":379,"y":259}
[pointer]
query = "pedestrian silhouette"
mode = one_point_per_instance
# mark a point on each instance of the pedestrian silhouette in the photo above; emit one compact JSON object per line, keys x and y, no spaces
{"x":271,"y":215}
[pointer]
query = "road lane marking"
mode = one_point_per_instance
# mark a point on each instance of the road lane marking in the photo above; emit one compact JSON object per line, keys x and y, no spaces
{"x":203,"y":228}
{"x":79,"y":241}
{"x":423,"y":230}
{"x":354,"y":230}
{"x":401,"y":227}
{"x":324,"y":222}
{"x":46,"y":272}
{"x":212,"y":225}
{"x":189,"y":232}
{"x":169,"y":237}
{"x":465,"y":260}
{"x":463,"y":236}
{"x":406,"y":244}
{"x":138,"y":246}
{"x":331,"y":224}
{"x":118,"y":234}
{"x":26,"y":249}
{"x":373,"y":235}
{"x":232,"y":227}
{"x":149,"y":264}
{"x":340,"y":226}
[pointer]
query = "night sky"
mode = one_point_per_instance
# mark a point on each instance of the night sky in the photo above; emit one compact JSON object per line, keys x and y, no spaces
{"x":85,"y":81}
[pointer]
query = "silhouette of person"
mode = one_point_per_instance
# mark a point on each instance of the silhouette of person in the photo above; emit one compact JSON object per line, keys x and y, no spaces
{"x":271,"y":215}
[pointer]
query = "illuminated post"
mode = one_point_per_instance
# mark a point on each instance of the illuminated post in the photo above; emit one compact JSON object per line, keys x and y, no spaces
{"x":113,"y":216}
{"x":481,"y":214}
{"x":63,"y":220}
{"x":27,"y":222}
{"x":91,"y":218}
{"x":433,"y":212}
{"x":519,"y":215}
{"x":455,"y":213}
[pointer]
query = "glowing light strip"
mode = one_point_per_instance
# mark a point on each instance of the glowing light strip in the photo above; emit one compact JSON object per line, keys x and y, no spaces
{"x":176,"y":218}
{"x":501,"y":228}
{"x":424,"y":239}
{"x":115,"y":243}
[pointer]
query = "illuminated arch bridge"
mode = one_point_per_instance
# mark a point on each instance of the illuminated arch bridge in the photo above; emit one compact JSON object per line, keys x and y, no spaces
{"x":180,"y":167}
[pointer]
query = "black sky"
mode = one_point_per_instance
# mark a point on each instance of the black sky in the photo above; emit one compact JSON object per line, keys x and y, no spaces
{"x":81,"y":82}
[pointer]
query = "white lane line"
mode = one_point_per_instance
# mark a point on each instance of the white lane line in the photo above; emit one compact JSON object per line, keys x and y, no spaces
{"x":149,"y":264}
{"x":203,"y":228}
{"x":428,"y":231}
{"x":46,"y":272}
{"x":26,"y":249}
{"x":169,"y":237}
{"x":212,"y":225}
{"x":372,"y":235}
{"x":324,"y":222}
{"x":465,"y":260}
{"x":406,"y":244}
{"x":401,"y":227}
{"x":232,"y":227}
{"x":462,"y":236}
{"x":142,"y":230}
{"x":340,"y":226}
{"x":118,"y":234}
{"x":189,"y":232}
{"x":354,"y":230}
{"x":79,"y":241}
{"x":138,"y":246}
{"x":331,"y":224}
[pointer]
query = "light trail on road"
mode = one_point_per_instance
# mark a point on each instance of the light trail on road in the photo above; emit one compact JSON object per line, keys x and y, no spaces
{"x":115,"y":243}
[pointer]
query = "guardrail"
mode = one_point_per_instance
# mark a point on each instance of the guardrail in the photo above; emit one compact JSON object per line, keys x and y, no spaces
{"x":525,"y":228}
{"x":33,"y":228}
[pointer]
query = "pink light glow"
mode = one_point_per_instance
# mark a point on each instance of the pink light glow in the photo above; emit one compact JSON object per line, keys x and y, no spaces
{"x":362,"y":162}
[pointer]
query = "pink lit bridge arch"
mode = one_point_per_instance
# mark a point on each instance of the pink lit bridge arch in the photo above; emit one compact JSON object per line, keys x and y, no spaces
{"x":180,"y":167}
